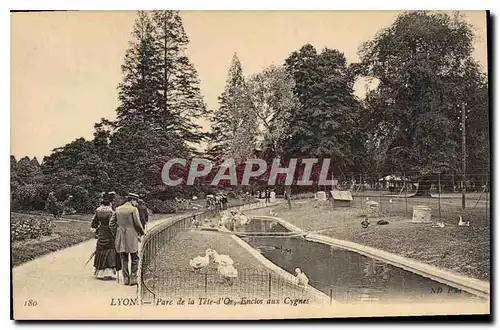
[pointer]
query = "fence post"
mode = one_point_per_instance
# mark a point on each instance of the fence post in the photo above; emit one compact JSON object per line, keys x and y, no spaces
{"x":439,"y":196}
{"x":206,"y":285}
{"x":269,"y":286}
{"x":406,"y":195}
{"x":380,"y":202}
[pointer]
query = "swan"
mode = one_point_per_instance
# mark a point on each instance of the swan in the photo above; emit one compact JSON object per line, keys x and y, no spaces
{"x":200,"y":262}
{"x":439,"y":225}
{"x":222,"y":258}
{"x":301,"y":277}
{"x":460,"y":221}
{"x":243,"y":218}
{"x":227,"y":272}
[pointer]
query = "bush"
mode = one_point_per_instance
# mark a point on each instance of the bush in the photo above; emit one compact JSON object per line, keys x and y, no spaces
{"x":31,"y":227}
{"x":162,"y":207}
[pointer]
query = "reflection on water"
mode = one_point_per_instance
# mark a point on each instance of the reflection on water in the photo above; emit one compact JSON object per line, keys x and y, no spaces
{"x":345,"y":275}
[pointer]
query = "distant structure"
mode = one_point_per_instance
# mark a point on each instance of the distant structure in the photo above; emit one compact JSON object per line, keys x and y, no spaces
{"x":341,"y":198}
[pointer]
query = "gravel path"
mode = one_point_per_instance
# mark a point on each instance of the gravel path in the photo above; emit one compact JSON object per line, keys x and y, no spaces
{"x":175,"y":278}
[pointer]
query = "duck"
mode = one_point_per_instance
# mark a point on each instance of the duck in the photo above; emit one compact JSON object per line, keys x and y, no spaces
{"x":390,"y":200}
{"x":365,"y":223}
{"x":439,"y":225}
{"x":200,"y":262}
{"x":227,"y":272}
{"x":301,"y":277}
{"x":461,"y":222}
{"x":273,"y":214}
{"x":222,"y":258}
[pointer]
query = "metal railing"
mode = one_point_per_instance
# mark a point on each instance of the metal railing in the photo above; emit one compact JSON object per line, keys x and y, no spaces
{"x":157,"y":238}
{"x":172,"y":284}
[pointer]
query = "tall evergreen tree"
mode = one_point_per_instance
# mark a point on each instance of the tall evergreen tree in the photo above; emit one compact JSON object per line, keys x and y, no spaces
{"x":159,"y":97}
{"x":234,"y":125}
{"x":179,"y":98}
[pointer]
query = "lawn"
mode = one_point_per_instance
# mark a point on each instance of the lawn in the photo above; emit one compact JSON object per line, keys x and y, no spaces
{"x":463,"y":250}
{"x":65,"y":234}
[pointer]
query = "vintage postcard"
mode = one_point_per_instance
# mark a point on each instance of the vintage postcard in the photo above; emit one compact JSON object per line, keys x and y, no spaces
{"x":249,"y":164}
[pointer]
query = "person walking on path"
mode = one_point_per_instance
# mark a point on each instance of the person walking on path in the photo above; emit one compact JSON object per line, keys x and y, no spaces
{"x":143,"y":213}
{"x":127,"y":227}
{"x":268,"y":196}
{"x":106,"y":259}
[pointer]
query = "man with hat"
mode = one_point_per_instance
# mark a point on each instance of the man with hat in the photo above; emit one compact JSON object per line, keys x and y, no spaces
{"x":127,"y":229}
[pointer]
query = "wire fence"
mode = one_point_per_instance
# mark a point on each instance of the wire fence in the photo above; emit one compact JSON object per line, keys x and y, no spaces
{"x":172,"y":284}
{"x":447,"y":196}
{"x":157,"y":238}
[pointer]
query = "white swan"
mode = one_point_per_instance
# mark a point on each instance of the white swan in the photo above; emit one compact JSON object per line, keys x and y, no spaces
{"x":460,"y":221}
{"x":222,"y":258}
{"x":301,"y":277}
{"x":227,"y":272}
{"x":200,"y":262}
{"x":439,"y":225}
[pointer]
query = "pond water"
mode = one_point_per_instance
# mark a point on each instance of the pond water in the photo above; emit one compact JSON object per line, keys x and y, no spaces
{"x":346,"y":276}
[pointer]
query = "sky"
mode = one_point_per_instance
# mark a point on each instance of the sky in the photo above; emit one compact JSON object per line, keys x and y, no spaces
{"x":66,"y":66}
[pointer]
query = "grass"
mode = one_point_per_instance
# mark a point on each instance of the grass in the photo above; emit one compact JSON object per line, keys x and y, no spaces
{"x":462,"y":250}
{"x":65,"y":234}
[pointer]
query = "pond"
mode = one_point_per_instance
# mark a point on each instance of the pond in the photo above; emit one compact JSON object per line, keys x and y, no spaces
{"x":346,"y":276}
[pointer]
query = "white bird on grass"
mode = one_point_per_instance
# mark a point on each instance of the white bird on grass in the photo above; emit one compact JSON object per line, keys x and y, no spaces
{"x":222,"y":258}
{"x":461,"y":222}
{"x":227,"y":272}
{"x":301,"y":277}
{"x":439,"y":225}
{"x":200,"y":262}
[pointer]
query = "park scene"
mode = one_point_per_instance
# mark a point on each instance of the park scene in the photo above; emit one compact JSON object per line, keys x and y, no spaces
{"x":401,"y":213}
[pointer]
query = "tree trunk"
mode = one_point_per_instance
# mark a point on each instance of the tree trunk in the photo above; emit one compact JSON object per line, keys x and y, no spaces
{"x":424,"y":186}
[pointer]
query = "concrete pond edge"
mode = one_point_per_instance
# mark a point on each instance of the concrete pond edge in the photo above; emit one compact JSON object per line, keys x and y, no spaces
{"x":471,"y":285}
{"x":318,"y":295}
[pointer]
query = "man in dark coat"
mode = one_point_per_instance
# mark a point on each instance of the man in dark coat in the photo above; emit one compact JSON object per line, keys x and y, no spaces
{"x":143,"y":213}
{"x":127,"y":229}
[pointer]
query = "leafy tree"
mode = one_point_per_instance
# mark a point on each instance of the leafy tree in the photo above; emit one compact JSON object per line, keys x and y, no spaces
{"x":325,"y":124}
{"x":424,"y":66}
{"x":273,"y":100}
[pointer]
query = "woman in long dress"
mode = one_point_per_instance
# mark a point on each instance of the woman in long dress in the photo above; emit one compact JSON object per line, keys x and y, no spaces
{"x":106,"y":262}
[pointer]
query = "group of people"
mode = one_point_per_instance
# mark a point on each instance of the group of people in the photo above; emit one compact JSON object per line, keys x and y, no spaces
{"x":266,"y":195}
{"x":118,"y":231}
{"x":217,"y":203}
